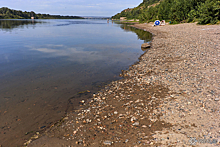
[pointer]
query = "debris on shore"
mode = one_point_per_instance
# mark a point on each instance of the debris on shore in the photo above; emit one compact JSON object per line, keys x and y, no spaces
{"x":145,"y":45}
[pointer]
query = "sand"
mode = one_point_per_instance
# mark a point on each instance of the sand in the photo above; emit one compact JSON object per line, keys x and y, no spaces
{"x":171,"y":97}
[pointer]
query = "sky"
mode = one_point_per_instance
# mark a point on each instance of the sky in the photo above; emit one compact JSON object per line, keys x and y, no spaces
{"x":72,"y":7}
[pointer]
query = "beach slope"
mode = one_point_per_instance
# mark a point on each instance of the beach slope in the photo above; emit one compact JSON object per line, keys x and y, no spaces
{"x":170,"y":97}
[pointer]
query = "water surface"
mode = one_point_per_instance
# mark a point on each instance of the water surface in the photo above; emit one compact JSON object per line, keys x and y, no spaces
{"x":44,"y":63}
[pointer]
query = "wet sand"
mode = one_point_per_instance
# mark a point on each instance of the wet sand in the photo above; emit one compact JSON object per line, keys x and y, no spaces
{"x":171,"y":97}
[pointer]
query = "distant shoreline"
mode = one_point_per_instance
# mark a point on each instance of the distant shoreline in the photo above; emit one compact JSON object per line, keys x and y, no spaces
{"x":6,"y":13}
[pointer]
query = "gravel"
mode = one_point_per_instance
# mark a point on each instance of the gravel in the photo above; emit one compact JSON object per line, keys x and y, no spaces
{"x":171,"y":97}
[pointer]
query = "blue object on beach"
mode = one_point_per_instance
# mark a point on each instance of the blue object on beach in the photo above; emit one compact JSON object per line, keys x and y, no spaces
{"x":157,"y":23}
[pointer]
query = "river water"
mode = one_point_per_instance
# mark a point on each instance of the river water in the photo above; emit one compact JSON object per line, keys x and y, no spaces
{"x":44,"y":63}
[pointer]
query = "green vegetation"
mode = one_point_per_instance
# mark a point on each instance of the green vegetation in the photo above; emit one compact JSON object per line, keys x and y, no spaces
{"x":6,"y":13}
{"x":175,"y":11}
{"x":142,"y":35}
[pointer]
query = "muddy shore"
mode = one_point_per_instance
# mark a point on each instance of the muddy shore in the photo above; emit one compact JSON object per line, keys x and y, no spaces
{"x":171,"y":97}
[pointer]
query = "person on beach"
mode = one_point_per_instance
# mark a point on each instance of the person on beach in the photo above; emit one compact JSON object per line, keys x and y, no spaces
{"x":163,"y":23}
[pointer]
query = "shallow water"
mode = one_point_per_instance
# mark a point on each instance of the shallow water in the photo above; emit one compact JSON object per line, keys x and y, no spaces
{"x":44,"y":63}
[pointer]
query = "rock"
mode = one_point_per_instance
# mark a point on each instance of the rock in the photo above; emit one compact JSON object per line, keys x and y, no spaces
{"x":145,"y":45}
{"x":136,"y":123}
{"x":28,"y":142}
{"x":217,"y":99}
{"x":35,"y":137}
{"x":65,"y":118}
{"x":107,"y":142}
{"x":133,"y":118}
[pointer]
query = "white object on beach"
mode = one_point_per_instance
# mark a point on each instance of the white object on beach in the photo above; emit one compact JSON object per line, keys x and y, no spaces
{"x":163,"y":23}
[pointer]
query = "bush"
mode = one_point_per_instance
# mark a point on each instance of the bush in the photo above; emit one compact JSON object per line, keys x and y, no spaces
{"x":209,"y":12}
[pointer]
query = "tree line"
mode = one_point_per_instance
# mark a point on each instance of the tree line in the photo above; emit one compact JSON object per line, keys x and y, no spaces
{"x":6,"y":13}
{"x":175,"y":11}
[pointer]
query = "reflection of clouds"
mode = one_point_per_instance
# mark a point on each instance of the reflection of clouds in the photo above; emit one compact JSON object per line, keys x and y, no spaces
{"x":46,"y":50}
{"x":90,"y":53}
{"x":6,"y":57}
{"x":72,"y":54}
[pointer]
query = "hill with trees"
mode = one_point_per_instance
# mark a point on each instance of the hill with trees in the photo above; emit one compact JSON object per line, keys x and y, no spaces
{"x":175,"y":11}
{"x":6,"y":13}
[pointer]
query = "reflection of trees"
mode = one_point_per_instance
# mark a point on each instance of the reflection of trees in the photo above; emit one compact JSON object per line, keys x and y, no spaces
{"x":11,"y":24}
{"x":142,"y":35}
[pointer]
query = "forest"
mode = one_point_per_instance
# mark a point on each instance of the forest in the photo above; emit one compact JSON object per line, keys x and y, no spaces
{"x":6,"y":13}
{"x":175,"y":11}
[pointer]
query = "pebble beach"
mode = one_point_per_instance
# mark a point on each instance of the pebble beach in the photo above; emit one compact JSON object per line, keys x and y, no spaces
{"x":171,"y":97}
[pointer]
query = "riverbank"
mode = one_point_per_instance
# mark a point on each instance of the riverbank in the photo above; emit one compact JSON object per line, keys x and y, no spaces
{"x":170,"y":96}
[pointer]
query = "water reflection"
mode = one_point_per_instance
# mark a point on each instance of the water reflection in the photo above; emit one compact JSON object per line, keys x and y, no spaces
{"x":66,"y":23}
{"x":87,"y":53}
{"x":41,"y":68}
{"x":71,"y":53}
{"x":12,"y":24}
{"x":142,"y":35}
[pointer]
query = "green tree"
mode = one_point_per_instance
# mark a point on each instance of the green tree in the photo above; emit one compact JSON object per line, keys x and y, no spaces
{"x":209,"y":12}
{"x":205,"y":11}
{"x":164,"y":10}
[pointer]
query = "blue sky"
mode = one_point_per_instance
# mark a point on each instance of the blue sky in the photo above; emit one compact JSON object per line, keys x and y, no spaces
{"x":72,"y":7}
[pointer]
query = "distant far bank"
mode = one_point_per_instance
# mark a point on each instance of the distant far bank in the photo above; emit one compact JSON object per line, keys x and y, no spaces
{"x":6,"y":13}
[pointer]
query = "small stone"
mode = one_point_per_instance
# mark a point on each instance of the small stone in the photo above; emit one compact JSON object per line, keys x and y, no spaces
{"x":217,"y":99}
{"x":115,"y":112}
{"x":35,"y":137}
{"x":133,"y":118}
{"x":88,"y":120}
{"x":65,"y":118}
{"x":145,"y":45}
{"x":107,"y":142}
{"x":136,"y":123}
{"x":26,"y":143}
